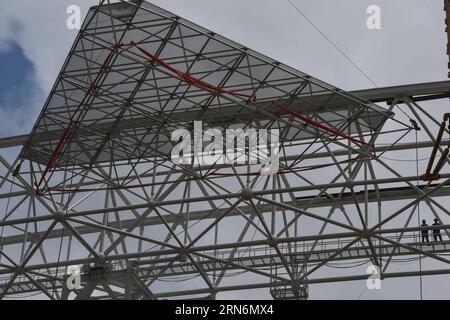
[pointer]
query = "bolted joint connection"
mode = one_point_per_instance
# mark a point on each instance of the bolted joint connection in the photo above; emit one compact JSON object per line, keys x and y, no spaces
{"x":59,"y":215}
{"x":182,"y":254}
{"x":151,"y":205}
{"x":19,"y":270}
{"x":247,"y":194}
{"x":100,"y":260}
{"x":272,"y":242}
{"x":365,"y":234}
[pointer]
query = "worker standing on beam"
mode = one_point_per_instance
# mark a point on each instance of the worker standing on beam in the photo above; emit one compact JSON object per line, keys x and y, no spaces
{"x":437,"y":230}
{"x":425,"y":237}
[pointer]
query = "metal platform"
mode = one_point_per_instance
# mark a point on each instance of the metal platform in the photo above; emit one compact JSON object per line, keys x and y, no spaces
{"x":297,"y":253}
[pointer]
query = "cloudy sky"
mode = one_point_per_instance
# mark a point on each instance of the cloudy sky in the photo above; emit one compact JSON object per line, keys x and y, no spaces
{"x":409,"y":48}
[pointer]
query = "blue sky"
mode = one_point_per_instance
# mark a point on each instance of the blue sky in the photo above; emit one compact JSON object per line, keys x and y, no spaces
{"x":17,"y":76}
{"x":20,"y":95}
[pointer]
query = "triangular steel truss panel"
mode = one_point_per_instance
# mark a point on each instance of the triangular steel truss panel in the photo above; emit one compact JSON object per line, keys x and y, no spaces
{"x":113,"y":102}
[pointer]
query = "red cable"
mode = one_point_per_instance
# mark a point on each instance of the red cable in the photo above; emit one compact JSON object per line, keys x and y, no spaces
{"x":61,"y":141}
{"x":190,"y":79}
{"x":324,"y":127}
{"x":307,"y":168}
{"x":194,"y":81}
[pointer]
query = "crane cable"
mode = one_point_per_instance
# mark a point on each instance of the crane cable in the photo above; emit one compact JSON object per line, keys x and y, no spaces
{"x":333,"y":44}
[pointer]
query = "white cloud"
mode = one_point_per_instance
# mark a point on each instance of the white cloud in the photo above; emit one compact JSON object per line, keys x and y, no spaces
{"x":39,"y":28}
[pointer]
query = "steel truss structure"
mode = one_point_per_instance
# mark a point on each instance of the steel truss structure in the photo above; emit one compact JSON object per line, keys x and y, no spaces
{"x":94,"y":184}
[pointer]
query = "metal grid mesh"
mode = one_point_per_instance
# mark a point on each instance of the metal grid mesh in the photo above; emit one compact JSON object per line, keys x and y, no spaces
{"x":126,"y":108}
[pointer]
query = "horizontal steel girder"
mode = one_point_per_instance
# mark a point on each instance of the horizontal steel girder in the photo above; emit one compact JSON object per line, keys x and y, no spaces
{"x":419,"y":91}
{"x":313,"y":254}
{"x":385,"y":195}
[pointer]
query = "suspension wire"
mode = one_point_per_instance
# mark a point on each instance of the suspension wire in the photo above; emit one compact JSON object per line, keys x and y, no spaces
{"x":404,"y":160}
{"x":402,"y":111}
{"x":345,"y":266}
{"x":362,"y":292}
{"x":413,"y":122}
{"x":333,"y":43}
{"x":257,"y":173}
{"x":419,"y":218}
